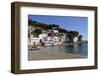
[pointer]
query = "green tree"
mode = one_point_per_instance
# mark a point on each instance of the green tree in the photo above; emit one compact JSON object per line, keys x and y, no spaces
{"x":49,"y":34}
{"x":29,"y":22}
{"x":72,"y":34}
{"x":54,"y":25}
{"x":44,"y":26}
{"x":38,"y":31}
{"x":80,"y":38}
{"x":75,"y":33}
{"x":50,"y":26}
{"x":62,"y":30}
{"x":34,"y":22}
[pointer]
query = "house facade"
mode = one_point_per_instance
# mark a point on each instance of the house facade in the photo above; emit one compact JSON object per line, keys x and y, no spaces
{"x":49,"y":41}
{"x":56,"y":40}
{"x":75,"y":39}
{"x":42,"y":37}
{"x":34,"y":40}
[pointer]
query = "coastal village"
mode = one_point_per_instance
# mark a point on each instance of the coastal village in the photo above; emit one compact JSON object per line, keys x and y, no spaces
{"x":40,"y":34}
{"x":52,"y":41}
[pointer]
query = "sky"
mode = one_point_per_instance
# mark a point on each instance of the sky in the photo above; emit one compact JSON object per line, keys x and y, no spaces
{"x":69,"y":23}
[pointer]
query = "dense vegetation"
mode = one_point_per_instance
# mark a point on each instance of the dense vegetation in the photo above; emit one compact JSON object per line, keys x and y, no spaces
{"x":46,"y":26}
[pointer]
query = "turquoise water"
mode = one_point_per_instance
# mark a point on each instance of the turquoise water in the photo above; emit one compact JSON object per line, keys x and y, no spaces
{"x":76,"y":49}
{"x":81,"y":49}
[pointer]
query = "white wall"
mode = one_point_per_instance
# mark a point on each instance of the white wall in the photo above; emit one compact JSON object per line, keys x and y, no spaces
{"x":5,"y":33}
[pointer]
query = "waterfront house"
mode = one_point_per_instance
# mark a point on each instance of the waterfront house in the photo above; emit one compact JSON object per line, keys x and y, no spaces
{"x":55,"y":31}
{"x":64,"y":38}
{"x":34,"y":40}
{"x":49,"y":41}
{"x":56,"y":40}
{"x":75,"y":39}
{"x":42,"y":37}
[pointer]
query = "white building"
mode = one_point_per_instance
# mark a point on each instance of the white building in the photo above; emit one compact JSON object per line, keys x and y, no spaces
{"x":55,"y":31}
{"x":49,"y":41}
{"x":42,"y":37}
{"x":56,"y":40}
{"x":63,"y":38}
{"x":34,"y":40}
{"x":75,"y":39}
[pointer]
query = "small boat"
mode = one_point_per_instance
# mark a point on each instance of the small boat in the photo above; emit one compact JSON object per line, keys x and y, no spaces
{"x":34,"y":48}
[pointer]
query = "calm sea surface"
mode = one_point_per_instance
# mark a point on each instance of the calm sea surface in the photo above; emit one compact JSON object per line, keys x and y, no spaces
{"x":76,"y":49}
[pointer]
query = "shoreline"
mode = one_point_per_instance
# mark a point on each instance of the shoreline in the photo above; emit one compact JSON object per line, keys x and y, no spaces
{"x":63,"y":44}
{"x":52,"y":53}
{"x":38,"y":46}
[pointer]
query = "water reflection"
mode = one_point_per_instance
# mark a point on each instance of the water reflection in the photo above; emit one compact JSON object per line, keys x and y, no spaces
{"x":78,"y":49}
{"x":81,"y":49}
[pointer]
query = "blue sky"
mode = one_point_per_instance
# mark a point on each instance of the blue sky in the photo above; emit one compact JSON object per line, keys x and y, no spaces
{"x":79,"y":24}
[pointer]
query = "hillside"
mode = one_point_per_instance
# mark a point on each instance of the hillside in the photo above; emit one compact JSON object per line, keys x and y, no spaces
{"x":42,"y":26}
